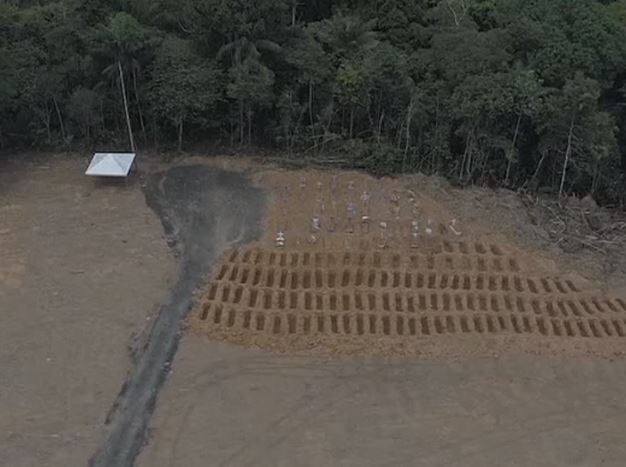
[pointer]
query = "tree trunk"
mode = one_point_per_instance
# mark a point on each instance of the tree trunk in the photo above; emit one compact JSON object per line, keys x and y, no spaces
{"x":123,"y":89}
{"x":44,"y":115}
{"x":351,"y":120}
{"x":249,"y":127}
{"x":510,"y":158}
{"x":180,"y":134}
{"x":143,"y":126}
{"x":465,"y":153}
{"x":61,"y":125}
{"x":409,"y":117}
{"x":380,"y":126}
{"x":241,"y":133}
{"x":311,"y":102}
{"x":47,"y":122}
{"x":155,"y":129}
{"x":568,"y":153}
{"x":470,"y":154}
{"x":434,"y":162}
{"x":342,"y":119}
{"x":537,"y":169}
{"x":484,"y":168}
{"x":594,"y":180}
{"x":379,"y":112}
{"x":326,"y":126}
{"x":420,"y":146}
{"x":458,"y":17}
{"x":102,"y":120}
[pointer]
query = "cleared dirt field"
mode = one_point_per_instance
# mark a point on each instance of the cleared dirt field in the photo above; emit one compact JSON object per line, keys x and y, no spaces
{"x":381,"y":267}
{"x":502,"y":372}
{"x":229,"y":406}
{"x":83,"y":267}
{"x":474,"y":342}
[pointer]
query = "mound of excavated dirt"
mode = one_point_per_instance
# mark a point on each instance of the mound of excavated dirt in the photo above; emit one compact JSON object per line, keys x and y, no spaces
{"x":404,"y":266}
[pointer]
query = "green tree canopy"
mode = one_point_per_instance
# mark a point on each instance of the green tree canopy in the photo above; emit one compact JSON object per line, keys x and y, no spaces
{"x":184,"y":87}
{"x":521,"y":93}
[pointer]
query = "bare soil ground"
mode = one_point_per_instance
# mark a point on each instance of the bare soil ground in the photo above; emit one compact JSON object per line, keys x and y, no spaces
{"x":575,"y":236}
{"x":227,"y":405}
{"x":349,"y":264}
{"x":83,"y":266}
{"x":204,"y":210}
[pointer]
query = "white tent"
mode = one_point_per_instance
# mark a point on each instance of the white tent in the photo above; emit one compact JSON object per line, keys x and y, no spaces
{"x":115,"y":164}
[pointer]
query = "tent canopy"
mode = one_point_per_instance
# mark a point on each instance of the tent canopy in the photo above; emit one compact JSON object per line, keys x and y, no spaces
{"x":111,"y":164}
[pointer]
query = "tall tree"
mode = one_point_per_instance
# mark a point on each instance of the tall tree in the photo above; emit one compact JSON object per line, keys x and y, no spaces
{"x":251,"y":87}
{"x":123,"y":40}
{"x":185,"y":86}
{"x":312,"y":65}
{"x":573,"y":126}
{"x":245,"y":30}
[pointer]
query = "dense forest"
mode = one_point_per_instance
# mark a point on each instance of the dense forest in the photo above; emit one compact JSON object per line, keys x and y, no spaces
{"x":519,"y":93}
